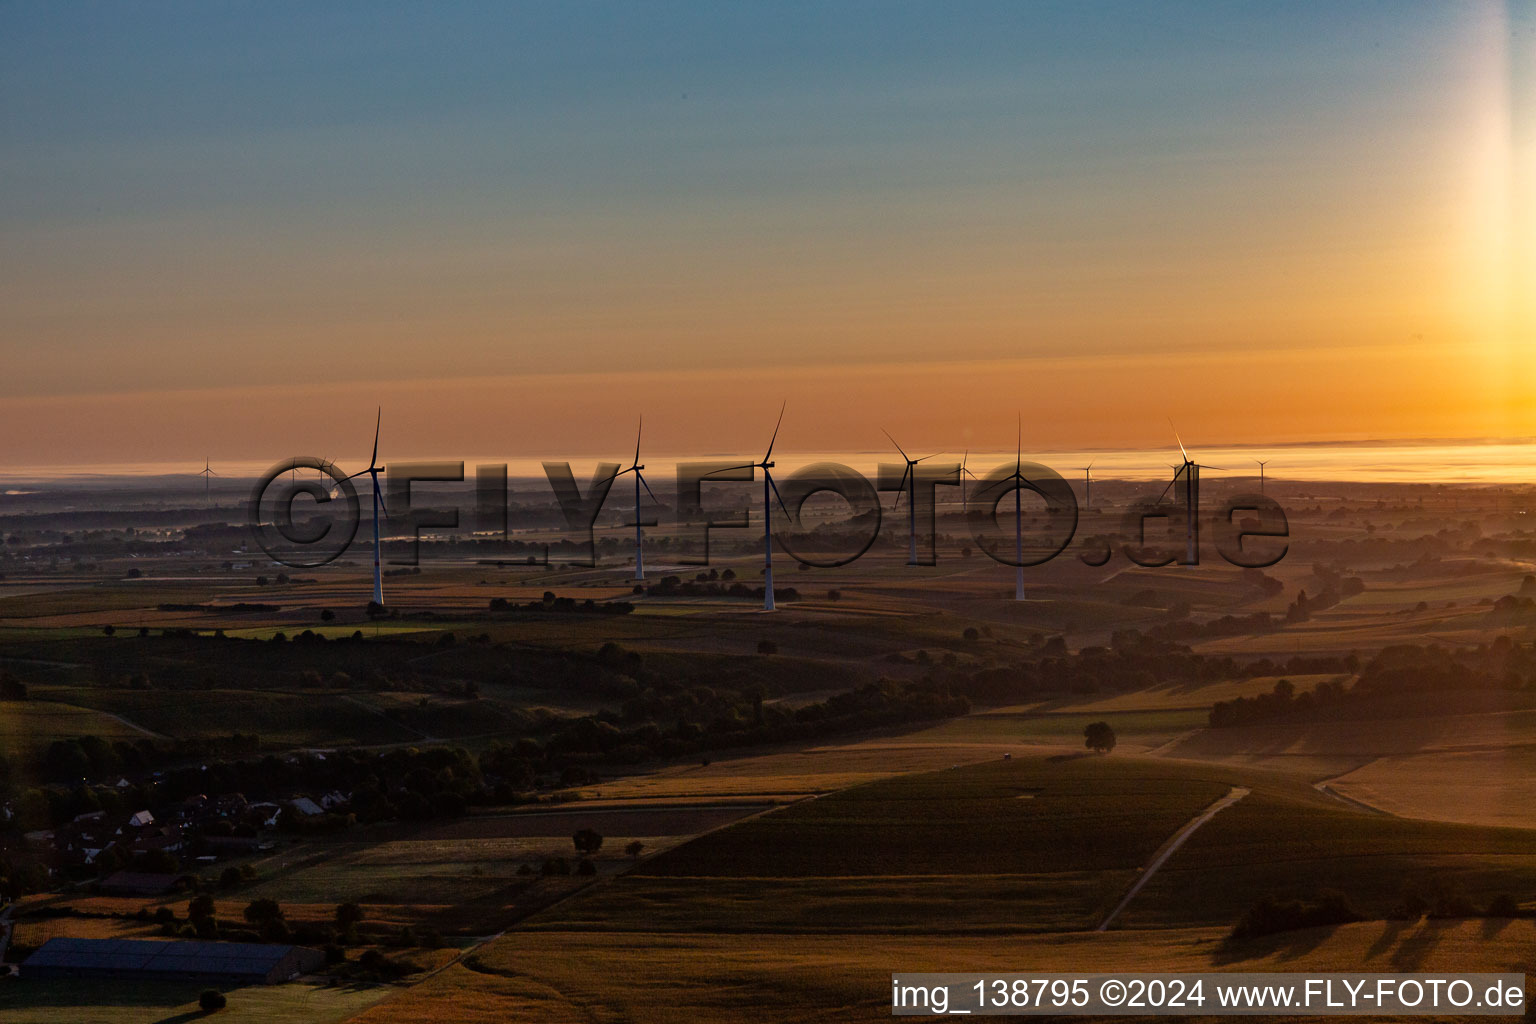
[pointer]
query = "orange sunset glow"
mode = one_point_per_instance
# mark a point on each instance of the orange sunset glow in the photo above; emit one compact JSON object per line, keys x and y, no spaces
{"x":1303,"y":241}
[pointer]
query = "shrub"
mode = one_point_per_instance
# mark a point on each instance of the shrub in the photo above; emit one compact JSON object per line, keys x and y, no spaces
{"x":263,"y":910}
{"x":1272,"y":914}
{"x":211,"y":999}
{"x":1502,"y":905}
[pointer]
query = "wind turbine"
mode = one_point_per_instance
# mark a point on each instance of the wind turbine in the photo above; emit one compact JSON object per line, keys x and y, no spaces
{"x":373,"y":471}
{"x":769,"y":487}
{"x":963,"y":474}
{"x":908,"y":483}
{"x":1262,"y":463}
{"x":1190,"y":471}
{"x":1088,"y":487}
{"x":635,"y":468}
{"x":207,"y":474}
{"x":1019,"y":483}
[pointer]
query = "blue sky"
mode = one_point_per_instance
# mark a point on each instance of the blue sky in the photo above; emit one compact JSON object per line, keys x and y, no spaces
{"x":198,"y":195}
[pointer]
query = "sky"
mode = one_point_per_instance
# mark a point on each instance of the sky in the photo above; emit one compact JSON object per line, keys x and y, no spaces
{"x":233,"y":230}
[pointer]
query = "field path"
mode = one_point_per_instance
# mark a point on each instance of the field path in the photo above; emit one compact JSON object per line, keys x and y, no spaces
{"x":1169,"y":848}
{"x":135,"y":726}
{"x":1326,"y":788}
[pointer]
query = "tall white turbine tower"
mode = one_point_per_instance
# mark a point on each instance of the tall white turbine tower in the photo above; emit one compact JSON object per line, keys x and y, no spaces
{"x":373,"y":471}
{"x":1189,"y":470}
{"x":207,"y":474}
{"x":635,"y":468}
{"x":1088,"y":487}
{"x":1019,"y":483}
{"x":964,"y":472}
{"x":1262,"y":463}
{"x":908,"y":486}
{"x":770,"y":489}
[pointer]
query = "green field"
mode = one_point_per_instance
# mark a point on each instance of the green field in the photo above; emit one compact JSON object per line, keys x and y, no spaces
{"x":1019,"y":816}
{"x":115,"y":1002}
{"x":279,"y":718}
{"x":27,"y":727}
{"x":1016,"y":845}
{"x":1141,"y":727}
{"x":1292,"y":844}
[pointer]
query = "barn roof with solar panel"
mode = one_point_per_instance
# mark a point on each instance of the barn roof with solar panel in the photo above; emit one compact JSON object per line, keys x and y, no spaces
{"x":237,"y":962}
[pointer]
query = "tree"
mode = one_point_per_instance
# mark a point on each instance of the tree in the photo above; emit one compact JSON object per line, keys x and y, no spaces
{"x":211,"y":999}
{"x":327,"y":616}
{"x":11,"y":688}
{"x":1099,"y":737}
{"x":587,"y":841}
{"x":348,"y":914}
{"x":201,"y":906}
{"x":263,"y":910}
{"x":634,"y":848}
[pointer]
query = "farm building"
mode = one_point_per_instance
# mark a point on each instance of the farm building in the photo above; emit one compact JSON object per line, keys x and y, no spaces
{"x":240,"y":963}
{"x":138,"y":883}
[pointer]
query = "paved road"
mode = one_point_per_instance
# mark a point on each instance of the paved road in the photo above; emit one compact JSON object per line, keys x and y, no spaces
{"x":1169,"y":848}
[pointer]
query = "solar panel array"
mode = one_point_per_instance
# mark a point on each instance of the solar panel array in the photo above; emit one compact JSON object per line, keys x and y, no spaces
{"x":152,"y":957}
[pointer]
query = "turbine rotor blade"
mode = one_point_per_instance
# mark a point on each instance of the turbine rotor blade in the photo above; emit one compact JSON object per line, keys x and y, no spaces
{"x":901,"y":488}
{"x":772,"y":440}
{"x":641,"y":477}
{"x":377,"y":423}
{"x":1177,"y":438}
{"x":775,"y":488}
{"x":887,"y":433}
{"x":638,"y":429}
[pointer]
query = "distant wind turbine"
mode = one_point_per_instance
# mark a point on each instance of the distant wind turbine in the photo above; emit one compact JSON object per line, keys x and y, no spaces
{"x":635,"y":468}
{"x":909,"y":484}
{"x":963,"y":474}
{"x":1262,"y":463}
{"x":1088,"y":486}
{"x":770,"y":489}
{"x":207,"y":474}
{"x":372,"y":472}
{"x":1190,"y":471}
{"x":1019,"y":483}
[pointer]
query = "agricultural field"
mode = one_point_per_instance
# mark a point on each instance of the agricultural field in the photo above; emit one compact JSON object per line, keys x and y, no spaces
{"x":553,"y":978}
{"x":105,"y":1002}
{"x":27,"y":727}
{"x":785,"y":878}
